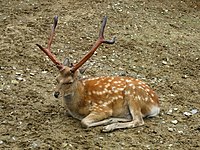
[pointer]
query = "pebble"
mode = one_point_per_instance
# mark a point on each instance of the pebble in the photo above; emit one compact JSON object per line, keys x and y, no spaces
{"x":175,"y":109}
{"x":164,"y":62}
{"x":20,"y":78}
{"x":170,"y":145}
{"x":180,"y":132}
{"x":32,"y":74}
{"x":194,"y":111}
{"x":14,"y":82}
{"x":174,"y":121}
{"x":187,"y":113}
{"x":170,"y":129}
{"x":44,"y":72}
{"x":170,"y":112}
{"x":34,"y":145}
{"x":18,"y":73}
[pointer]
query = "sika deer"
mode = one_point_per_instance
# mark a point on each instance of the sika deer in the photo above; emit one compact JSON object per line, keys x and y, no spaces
{"x":117,"y":102}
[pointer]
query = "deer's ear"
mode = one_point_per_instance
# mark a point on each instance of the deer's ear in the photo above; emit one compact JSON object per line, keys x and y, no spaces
{"x":66,"y":62}
{"x":82,"y":70}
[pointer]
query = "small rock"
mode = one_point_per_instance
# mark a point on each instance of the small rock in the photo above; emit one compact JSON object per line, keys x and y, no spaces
{"x":18,"y":73}
{"x":180,"y":132}
{"x":172,"y":95}
{"x":14,"y":82}
{"x":170,"y":129}
{"x":112,"y":59}
{"x":175,"y":109}
{"x":170,"y":112}
{"x":66,"y":145}
{"x":44,"y":72}
{"x":1,"y":142}
{"x":13,"y":138}
{"x":187,"y":114}
{"x":170,"y":145}
{"x":32,"y":74}
{"x":164,"y":62}
{"x":34,"y":145}
{"x":194,"y":111}
{"x":20,"y":78}
{"x":174,"y":121}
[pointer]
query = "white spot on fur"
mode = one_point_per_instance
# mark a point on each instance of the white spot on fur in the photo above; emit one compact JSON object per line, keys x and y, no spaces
{"x":146,"y":99}
{"x":120,"y":97}
{"x":109,"y":80}
{"x":100,"y":102}
{"x":127,"y":92}
{"x":128,"y":81}
{"x":105,"y":104}
{"x":89,"y":93}
{"x":107,"y":85}
{"x":120,"y":89}
{"x":140,"y":87}
{"x":147,"y":90}
{"x":152,"y":95}
{"x":139,"y":98}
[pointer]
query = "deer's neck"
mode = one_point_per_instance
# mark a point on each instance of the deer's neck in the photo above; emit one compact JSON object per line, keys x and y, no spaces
{"x":74,"y":101}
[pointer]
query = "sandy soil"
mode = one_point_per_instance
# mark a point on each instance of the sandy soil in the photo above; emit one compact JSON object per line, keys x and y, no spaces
{"x":158,"y":41}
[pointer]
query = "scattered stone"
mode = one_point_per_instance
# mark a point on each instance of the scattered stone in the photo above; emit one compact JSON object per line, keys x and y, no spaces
{"x":194,"y":111}
{"x":44,"y":72}
{"x":172,"y":95}
{"x":34,"y":145}
{"x":18,"y":73}
{"x":170,"y":129}
{"x":180,"y":132}
{"x":170,"y":145}
{"x":187,"y":114}
{"x":112,"y":60}
{"x":175,"y":109}
{"x":20,"y":78}
{"x":64,"y":145}
{"x":1,"y":142}
{"x":32,"y":74}
{"x":164,"y":62}
{"x":14,"y":82}
{"x":170,"y":112}
{"x":13,"y":138}
{"x":174,"y":121}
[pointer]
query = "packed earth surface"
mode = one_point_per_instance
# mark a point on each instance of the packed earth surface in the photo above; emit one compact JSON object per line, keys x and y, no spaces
{"x":157,"y":41}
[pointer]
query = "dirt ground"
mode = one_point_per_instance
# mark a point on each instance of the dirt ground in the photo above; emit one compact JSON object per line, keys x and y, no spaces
{"x":158,"y":41}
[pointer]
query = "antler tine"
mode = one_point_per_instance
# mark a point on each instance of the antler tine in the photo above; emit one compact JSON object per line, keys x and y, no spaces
{"x":47,"y":51}
{"x":99,"y":41}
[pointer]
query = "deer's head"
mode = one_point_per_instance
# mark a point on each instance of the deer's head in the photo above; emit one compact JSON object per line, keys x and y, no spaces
{"x":69,"y":72}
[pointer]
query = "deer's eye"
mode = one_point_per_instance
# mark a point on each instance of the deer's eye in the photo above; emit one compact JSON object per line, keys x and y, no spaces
{"x":67,"y":83}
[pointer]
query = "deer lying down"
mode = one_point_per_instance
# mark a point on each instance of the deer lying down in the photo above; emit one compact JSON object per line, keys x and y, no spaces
{"x":115,"y":102}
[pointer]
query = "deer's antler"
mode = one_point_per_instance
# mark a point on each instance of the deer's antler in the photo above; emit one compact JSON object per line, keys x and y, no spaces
{"x":99,"y":41}
{"x":47,"y":50}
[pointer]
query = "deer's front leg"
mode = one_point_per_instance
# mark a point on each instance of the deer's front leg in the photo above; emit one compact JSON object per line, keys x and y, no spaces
{"x":96,"y":118}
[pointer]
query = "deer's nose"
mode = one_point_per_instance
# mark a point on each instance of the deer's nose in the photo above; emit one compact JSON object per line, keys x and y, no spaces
{"x":56,"y":94}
